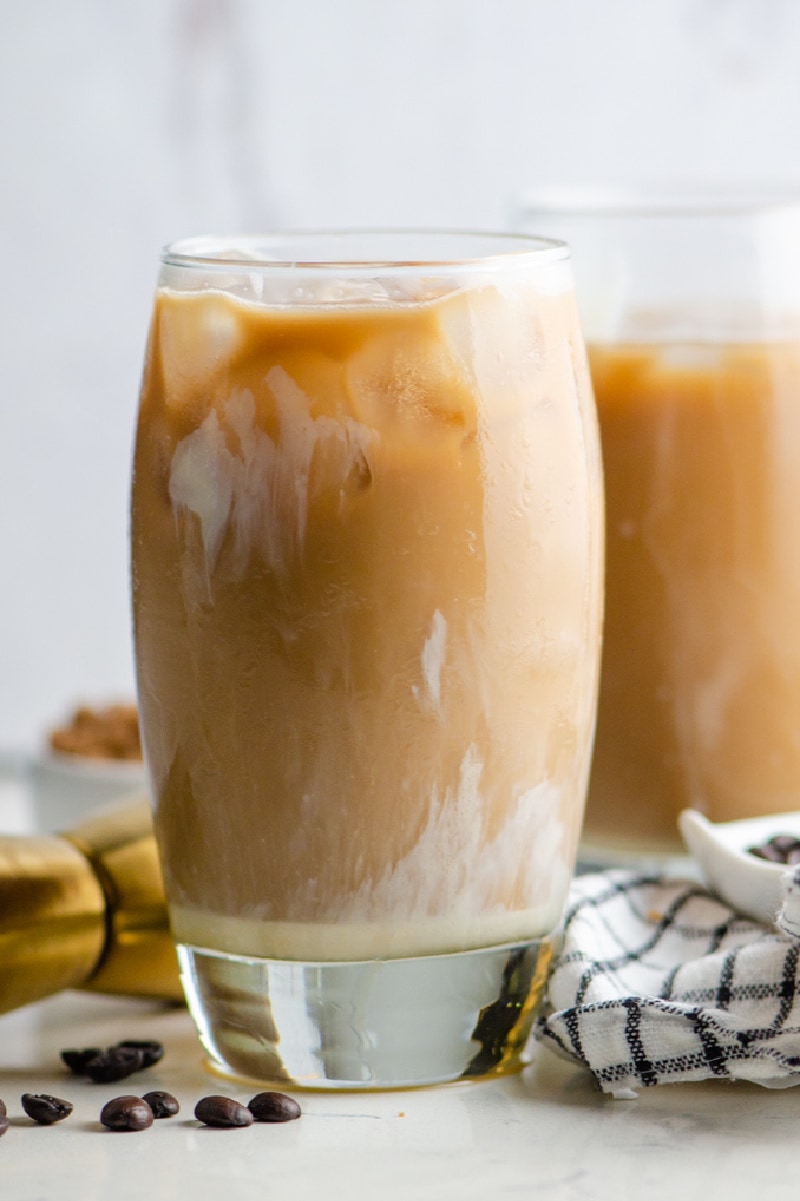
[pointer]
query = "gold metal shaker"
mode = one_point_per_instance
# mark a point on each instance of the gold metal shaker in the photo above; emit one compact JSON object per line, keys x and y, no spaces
{"x":85,"y":910}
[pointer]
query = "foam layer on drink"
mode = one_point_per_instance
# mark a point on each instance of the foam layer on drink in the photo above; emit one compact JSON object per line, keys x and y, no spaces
{"x":366,"y":566}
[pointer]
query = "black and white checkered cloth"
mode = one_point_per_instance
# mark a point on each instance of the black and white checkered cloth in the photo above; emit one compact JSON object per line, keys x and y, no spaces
{"x":658,"y":981}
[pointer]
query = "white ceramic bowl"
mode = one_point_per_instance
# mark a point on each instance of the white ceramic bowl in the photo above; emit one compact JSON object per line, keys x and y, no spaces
{"x":751,"y":885}
{"x":67,"y":788}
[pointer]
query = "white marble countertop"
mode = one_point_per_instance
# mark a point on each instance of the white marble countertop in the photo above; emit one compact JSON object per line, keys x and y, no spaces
{"x":545,"y":1133}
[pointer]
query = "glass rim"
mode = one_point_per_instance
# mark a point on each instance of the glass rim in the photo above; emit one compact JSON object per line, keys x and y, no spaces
{"x":509,"y":249}
{"x":692,"y":200}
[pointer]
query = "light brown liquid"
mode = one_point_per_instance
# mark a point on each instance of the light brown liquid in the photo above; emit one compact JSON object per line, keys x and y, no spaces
{"x":700,"y":687}
{"x":367,"y":566}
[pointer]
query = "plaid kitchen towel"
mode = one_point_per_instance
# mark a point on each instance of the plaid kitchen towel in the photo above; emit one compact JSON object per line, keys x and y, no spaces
{"x":658,"y":980}
{"x":788,"y":920}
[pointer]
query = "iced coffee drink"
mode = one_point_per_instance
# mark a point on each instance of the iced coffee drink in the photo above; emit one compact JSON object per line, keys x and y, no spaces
{"x":700,"y":694}
{"x":690,"y":303}
{"x":367,"y":542}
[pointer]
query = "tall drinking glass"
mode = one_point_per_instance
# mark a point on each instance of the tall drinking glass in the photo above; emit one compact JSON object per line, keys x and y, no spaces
{"x":367,"y":559}
{"x":691,"y":309}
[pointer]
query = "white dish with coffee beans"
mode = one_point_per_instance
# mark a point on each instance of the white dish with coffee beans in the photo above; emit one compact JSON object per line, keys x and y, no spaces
{"x":93,"y":757}
{"x":745,"y":861}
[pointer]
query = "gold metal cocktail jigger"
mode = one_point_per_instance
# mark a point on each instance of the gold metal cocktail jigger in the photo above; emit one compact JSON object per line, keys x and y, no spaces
{"x":86,"y":910}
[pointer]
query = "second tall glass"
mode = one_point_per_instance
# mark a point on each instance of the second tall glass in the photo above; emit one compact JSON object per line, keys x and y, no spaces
{"x":691,"y":308}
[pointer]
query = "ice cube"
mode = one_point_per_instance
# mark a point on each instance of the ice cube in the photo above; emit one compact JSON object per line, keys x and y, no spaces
{"x":408,"y":381}
{"x":496,"y":332}
{"x":320,"y":378}
{"x":199,"y":335}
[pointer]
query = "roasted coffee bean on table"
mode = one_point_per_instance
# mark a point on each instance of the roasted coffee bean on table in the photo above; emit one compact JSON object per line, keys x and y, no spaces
{"x":114,"y":1063}
{"x":44,"y":1109}
{"x":152,"y":1050}
{"x":76,"y":1060}
{"x":3,"y":1124}
{"x":222,"y":1111}
{"x":274,"y":1107}
{"x":126,"y":1113}
{"x":781,"y":848}
{"x":163,"y":1105}
{"x":3,"y":1110}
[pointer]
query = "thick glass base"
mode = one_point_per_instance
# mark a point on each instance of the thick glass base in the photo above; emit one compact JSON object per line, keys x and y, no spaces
{"x":378,"y":1024}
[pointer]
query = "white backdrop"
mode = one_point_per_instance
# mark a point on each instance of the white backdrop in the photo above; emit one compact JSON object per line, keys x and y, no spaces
{"x":125,"y":125}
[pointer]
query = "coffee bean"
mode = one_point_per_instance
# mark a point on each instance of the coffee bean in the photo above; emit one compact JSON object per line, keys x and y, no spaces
{"x":222,"y":1111}
{"x":45,"y":1109}
{"x":115,"y":1063}
{"x":765,"y":851}
{"x":104,"y":1066}
{"x":3,"y":1110}
{"x":274,"y":1107}
{"x":781,"y":848}
{"x":126,"y":1113}
{"x":76,"y":1060}
{"x":3,"y":1124}
{"x":163,"y":1105}
{"x":152,"y":1050}
{"x":784,"y":843}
